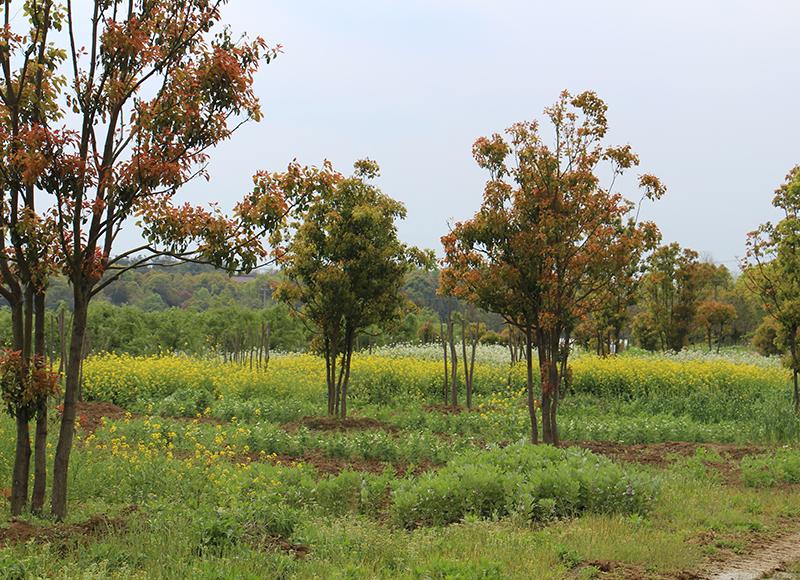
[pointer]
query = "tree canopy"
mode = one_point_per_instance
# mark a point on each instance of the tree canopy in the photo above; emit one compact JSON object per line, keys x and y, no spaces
{"x":548,"y":235}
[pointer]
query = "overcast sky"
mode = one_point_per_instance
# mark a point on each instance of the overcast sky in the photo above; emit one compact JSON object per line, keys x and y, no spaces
{"x":706,"y":92}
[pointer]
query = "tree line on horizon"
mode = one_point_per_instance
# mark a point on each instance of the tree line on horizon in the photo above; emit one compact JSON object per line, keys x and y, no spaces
{"x":175,"y":309}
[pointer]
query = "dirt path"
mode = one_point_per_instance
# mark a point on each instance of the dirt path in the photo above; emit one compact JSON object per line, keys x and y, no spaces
{"x":761,"y":563}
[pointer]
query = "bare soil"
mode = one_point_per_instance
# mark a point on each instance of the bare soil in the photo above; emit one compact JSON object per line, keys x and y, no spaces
{"x":90,"y":413}
{"x":20,"y":531}
{"x":663,"y":454}
{"x":337,"y":424}
{"x":623,"y":571}
{"x":335,"y":465}
{"x":765,"y":558}
{"x":446,"y":409}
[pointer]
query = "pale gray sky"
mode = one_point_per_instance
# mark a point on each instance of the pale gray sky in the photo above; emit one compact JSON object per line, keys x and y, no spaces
{"x":705,"y":91}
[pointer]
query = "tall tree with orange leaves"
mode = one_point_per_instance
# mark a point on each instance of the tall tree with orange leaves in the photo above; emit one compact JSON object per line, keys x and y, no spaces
{"x":105,"y":133}
{"x":548,"y":236}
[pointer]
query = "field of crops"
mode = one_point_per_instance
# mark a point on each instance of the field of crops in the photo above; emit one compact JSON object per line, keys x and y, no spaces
{"x":693,"y":398}
{"x":207,"y":469}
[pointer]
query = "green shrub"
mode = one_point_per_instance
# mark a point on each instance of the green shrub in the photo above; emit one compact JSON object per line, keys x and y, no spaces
{"x":445,"y":569}
{"x":535,"y":482}
{"x":185,"y":402}
{"x":783,"y":466}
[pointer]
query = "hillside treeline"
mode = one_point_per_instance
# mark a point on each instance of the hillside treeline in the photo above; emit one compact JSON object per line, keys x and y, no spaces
{"x":196,"y":309}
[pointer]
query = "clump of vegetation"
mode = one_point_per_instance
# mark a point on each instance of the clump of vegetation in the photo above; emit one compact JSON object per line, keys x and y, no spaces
{"x":529,"y":482}
{"x":782,"y":466}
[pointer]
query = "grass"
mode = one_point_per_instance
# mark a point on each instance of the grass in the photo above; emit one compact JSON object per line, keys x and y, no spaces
{"x":223,"y":488}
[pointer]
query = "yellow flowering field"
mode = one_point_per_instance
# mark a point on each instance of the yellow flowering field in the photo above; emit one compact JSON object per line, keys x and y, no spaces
{"x":709,"y":389}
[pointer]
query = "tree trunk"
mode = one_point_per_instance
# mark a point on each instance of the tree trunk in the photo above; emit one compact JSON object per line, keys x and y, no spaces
{"x":796,"y":392}
{"x":19,"y":476}
{"x":548,"y":361}
{"x":563,"y":374}
{"x":544,"y":375}
{"x":40,"y":441}
{"x":475,"y":339}
{"x":446,"y":370}
{"x":267,"y":345}
{"x":330,"y":370}
{"x":58,"y":501}
{"x":531,"y":400}
{"x":468,"y":365}
{"x":21,"y":320}
{"x":22,"y":461}
{"x":338,"y":387}
{"x":40,"y":458}
{"x":555,"y":397}
{"x":793,"y":352}
{"x":346,"y":359}
{"x":453,"y":364}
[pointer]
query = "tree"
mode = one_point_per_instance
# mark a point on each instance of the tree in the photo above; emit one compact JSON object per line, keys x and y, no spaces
{"x":716,"y":279}
{"x":749,"y":309}
{"x":470,"y":333}
{"x":772,"y":263}
{"x":547,"y":235}
{"x":765,"y":339}
{"x":610,"y":307}
{"x":29,"y":87}
{"x":715,"y":318}
{"x":671,"y":293}
{"x":345,"y":268}
{"x":152,"y":87}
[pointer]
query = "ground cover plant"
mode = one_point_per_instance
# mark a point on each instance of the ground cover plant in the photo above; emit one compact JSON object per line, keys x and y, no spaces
{"x":239,"y":470}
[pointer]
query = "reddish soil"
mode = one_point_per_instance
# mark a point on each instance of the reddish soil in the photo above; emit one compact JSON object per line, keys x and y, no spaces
{"x":260,"y":541}
{"x":662,"y":454}
{"x":90,"y":414}
{"x":19,"y":531}
{"x":336,"y":424}
{"x":335,"y":465}
{"x":446,"y":409}
{"x":297,"y":550}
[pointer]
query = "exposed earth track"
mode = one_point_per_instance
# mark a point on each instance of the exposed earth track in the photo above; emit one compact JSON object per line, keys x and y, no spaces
{"x":763,"y":562}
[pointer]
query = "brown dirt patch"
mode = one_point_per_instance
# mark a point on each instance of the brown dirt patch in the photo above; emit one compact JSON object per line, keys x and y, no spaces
{"x":446,"y":409}
{"x":624,"y":571}
{"x":663,"y":454}
{"x":90,"y":414}
{"x":765,"y":555}
{"x":20,"y":531}
{"x":337,"y":424}
{"x":296,"y":550}
{"x":335,"y":465}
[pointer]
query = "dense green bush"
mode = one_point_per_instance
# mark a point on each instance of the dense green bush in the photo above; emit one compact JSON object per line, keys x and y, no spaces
{"x":783,"y":466}
{"x":532,"y":482}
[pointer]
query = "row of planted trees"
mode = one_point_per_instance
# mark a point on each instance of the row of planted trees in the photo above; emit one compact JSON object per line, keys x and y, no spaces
{"x":153,"y":91}
{"x":93,"y":139}
{"x":549,"y":246}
